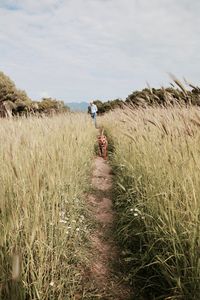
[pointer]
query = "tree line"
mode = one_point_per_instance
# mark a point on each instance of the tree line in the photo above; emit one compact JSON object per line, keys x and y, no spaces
{"x":15,"y":102}
{"x":176,"y":94}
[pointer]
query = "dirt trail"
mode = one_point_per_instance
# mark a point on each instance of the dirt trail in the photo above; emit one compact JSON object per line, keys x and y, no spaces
{"x":103,"y":274}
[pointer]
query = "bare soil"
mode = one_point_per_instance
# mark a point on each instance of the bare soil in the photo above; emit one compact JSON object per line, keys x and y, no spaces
{"x":104,"y":271}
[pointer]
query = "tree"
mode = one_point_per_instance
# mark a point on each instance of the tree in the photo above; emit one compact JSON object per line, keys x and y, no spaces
{"x":9,"y":92}
{"x":49,"y":106}
{"x":16,"y":102}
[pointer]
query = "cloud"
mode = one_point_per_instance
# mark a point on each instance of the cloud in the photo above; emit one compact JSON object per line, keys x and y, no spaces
{"x":31,"y":6}
{"x":104,"y":49}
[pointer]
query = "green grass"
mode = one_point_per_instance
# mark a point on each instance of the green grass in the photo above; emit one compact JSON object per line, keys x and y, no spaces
{"x":157,"y":187}
{"x":44,"y":170}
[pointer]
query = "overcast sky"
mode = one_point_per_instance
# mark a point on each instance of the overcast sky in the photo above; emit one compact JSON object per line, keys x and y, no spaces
{"x":77,"y":50}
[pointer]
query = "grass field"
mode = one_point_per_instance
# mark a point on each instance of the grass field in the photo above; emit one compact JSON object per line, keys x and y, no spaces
{"x":156,"y":163}
{"x":45,"y":164}
{"x":45,"y":223}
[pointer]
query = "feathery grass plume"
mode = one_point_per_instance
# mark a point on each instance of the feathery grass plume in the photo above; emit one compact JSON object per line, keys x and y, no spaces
{"x":178,"y":83}
{"x":195,"y":88}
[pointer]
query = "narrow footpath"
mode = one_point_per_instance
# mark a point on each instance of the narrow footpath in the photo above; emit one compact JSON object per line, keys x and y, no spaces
{"x":104,"y":272}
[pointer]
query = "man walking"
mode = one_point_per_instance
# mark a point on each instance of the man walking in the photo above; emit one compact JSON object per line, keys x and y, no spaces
{"x":93,"y":112}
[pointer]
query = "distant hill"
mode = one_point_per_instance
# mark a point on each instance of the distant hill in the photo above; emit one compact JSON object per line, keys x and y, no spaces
{"x":78,"y":106}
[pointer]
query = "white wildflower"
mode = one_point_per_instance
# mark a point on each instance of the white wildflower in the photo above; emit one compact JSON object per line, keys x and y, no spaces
{"x":63,"y":221}
{"x":131,"y":209}
{"x":51,"y":283}
{"x":77,"y":229}
{"x":137,"y":210}
{"x":135,"y":214}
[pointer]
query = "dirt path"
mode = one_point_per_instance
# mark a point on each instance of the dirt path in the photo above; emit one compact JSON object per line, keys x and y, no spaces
{"x":105,"y":262}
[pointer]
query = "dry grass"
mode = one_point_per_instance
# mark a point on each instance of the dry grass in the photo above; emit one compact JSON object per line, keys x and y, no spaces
{"x":156,"y":164}
{"x":43,"y":174}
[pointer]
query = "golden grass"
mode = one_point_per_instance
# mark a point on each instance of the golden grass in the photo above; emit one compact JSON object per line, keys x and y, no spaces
{"x":44,"y":167}
{"x":156,"y":163}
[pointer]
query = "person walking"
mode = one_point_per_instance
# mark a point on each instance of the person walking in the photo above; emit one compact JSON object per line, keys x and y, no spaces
{"x":93,"y":112}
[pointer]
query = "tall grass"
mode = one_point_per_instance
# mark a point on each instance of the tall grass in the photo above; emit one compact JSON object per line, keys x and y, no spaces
{"x":156,"y":164}
{"x":44,"y":166}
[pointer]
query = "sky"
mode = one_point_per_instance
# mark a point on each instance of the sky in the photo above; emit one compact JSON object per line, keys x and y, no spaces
{"x":78,"y":50}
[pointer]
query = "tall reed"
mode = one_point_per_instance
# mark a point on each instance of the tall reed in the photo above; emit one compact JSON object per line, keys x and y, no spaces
{"x":44,"y":168}
{"x":156,"y":165}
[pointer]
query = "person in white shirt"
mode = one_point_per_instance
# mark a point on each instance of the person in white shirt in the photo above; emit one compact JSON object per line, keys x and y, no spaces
{"x":93,"y":112}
